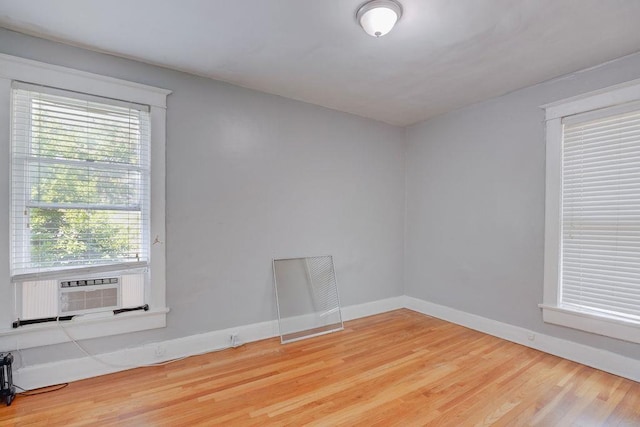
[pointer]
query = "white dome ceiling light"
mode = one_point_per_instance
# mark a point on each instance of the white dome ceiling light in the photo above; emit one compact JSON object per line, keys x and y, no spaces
{"x":377,"y":17}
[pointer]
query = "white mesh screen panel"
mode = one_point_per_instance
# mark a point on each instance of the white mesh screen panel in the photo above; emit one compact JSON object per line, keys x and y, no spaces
{"x":307,"y":296}
{"x":323,"y":283}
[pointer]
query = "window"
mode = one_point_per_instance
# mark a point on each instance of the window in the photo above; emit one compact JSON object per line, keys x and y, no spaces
{"x":79,"y":197}
{"x":592,"y":242}
{"x":86,"y":196}
{"x":80,"y":183}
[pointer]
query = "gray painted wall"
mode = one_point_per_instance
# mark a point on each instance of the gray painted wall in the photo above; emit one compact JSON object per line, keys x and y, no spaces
{"x":251,"y":177}
{"x":475,"y":205}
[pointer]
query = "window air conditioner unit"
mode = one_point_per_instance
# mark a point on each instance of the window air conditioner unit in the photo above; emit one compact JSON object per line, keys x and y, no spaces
{"x":82,"y":296}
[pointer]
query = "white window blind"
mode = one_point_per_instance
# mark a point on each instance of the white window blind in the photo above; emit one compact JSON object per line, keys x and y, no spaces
{"x":79,"y":182}
{"x":600,"y":266}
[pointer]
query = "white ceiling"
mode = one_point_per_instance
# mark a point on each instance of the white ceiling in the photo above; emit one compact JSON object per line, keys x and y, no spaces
{"x":442,"y":55}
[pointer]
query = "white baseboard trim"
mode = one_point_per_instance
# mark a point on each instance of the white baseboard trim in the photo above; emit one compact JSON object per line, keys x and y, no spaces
{"x":45,"y":374}
{"x":586,"y":355}
{"x":31,"y":377}
{"x":373,"y":307}
{"x":309,"y":321}
{"x":41,"y":375}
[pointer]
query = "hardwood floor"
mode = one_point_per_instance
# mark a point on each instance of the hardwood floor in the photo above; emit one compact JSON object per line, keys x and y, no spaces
{"x":399,"y":368}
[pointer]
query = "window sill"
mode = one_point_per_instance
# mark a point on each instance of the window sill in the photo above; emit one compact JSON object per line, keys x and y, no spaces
{"x":81,"y":328}
{"x":618,"y":328}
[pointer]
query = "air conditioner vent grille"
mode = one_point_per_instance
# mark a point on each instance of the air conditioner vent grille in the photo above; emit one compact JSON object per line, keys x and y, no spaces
{"x":88,"y":295}
{"x":81,"y":301}
{"x":90,"y":282}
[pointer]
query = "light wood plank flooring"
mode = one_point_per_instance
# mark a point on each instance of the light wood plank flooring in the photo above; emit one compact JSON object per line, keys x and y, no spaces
{"x":399,"y":368}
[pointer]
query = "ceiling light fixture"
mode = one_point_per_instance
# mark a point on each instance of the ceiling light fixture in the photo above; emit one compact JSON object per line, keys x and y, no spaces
{"x":377,"y":17}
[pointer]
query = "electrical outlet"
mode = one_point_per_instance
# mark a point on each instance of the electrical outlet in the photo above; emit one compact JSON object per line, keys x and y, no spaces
{"x":233,"y":340}
{"x":160,"y":351}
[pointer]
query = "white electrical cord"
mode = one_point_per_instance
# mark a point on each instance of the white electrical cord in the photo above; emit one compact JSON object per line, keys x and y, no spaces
{"x":114,"y":365}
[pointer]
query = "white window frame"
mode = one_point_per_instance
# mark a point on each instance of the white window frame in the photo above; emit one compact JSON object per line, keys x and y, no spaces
{"x":38,"y":73}
{"x":552,"y":311}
